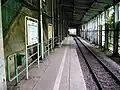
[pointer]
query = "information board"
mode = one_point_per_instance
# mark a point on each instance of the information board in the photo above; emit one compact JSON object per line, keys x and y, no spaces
{"x":49,"y":31}
{"x":32,"y":31}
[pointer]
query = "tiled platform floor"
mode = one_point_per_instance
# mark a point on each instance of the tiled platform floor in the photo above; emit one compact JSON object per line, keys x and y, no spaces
{"x":59,"y":71}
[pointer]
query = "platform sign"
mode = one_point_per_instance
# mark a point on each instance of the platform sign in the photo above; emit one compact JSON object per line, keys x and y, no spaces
{"x":31,"y":39}
{"x":49,"y":31}
{"x":32,"y":31}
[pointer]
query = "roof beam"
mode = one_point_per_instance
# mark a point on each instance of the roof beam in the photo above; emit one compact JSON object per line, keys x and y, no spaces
{"x":73,"y":6}
{"x":110,"y":2}
{"x":87,"y":10}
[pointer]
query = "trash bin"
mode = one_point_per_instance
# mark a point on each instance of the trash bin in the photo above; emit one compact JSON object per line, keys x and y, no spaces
{"x":20,"y":59}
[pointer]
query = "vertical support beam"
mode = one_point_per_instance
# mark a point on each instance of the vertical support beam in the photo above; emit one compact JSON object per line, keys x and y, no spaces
{"x":116,"y":30}
{"x":59,"y":29}
{"x":2,"y":63}
{"x":41,"y":25}
{"x":57,"y":18}
{"x":106,"y":37}
{"x":60,"y":9}
{"x":38,"y":50}
{"x":87,"y":31}
{"x":106,"y":33}
{"x":94,"y":31}
{"x":100,"y":31}
{"x":26,"y":50}
{"x":53,"y":25}
{"x":62,"y":24}
{"x":77,"y":31}
{"x":58,"y":24}
{"x":97,"y":31}
{"x":39,"y":35}
{"x":84,"y":31}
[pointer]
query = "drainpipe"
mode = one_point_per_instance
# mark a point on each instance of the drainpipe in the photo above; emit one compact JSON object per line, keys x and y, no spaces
{"x":41,"y":28}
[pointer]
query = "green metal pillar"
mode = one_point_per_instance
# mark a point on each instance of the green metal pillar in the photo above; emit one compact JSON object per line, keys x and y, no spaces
{"x":116,"y":30}
{"x":97,"y":31}
{"x":60,"y":21}
{"x":100,"y":31}
{"x":62,"y":24}
{"x":53,"y":25}
{"x":57,"y":18}
{"x":106,"y":32}
{"x":16,"y":69}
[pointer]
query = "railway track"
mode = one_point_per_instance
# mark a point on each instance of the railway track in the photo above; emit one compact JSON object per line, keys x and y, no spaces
{"x":104,"y":78}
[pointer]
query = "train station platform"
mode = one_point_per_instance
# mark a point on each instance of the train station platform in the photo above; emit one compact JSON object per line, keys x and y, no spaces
{"x":61,"y":70}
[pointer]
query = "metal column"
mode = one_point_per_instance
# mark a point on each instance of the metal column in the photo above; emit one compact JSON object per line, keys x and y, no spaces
{"x":41,"y":25}
{"x":106,"y":37}
{"x":106,"y":33}
{"x":116,"y":30}
{"x":57,"y":18}
{"x":100,"y":31}
{"x":2,"y":63}
{"x":97,"y":31}
{"x":52,"y":25}
{"x":62,"y":24}
{"x":78,"y":31}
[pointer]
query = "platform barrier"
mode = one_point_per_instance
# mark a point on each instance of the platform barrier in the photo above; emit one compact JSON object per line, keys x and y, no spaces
{"x":19,"y":62}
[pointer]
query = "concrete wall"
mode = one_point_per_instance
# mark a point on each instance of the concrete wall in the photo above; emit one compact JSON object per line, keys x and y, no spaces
{"x":15,"y":39}
{"x":2,"y":64}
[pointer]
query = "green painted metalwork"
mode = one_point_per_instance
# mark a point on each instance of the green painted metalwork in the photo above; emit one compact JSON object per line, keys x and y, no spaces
{"x":17,"y":58}
{"x":10,"y":9}
{"x":20,"y":60}
{"x":16,"y":68}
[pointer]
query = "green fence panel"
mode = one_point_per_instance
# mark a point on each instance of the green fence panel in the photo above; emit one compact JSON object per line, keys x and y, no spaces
{"x":10,"y":9}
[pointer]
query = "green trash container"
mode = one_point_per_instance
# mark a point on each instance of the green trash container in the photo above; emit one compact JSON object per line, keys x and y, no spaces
{"x":20,"y":60}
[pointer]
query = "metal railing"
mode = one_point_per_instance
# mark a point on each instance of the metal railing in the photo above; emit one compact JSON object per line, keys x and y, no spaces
{"x":48,"y":45}
{"x":17,"y":73}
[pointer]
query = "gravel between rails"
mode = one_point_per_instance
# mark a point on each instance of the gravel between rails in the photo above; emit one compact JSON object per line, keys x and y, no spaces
{"x":90,"y":83}
{"x":105,"y":79}
{"x":113,"y":66}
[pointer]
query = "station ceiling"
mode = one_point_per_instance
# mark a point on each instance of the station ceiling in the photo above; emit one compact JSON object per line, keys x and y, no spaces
{"x":80,"y":11}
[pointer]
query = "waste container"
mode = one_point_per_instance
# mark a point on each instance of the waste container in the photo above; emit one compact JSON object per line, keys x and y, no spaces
{"x":20,"y":60}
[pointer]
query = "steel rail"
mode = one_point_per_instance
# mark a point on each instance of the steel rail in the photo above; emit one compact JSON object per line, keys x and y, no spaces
{"x":92,"y":72}
{"x":99,"y":60}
